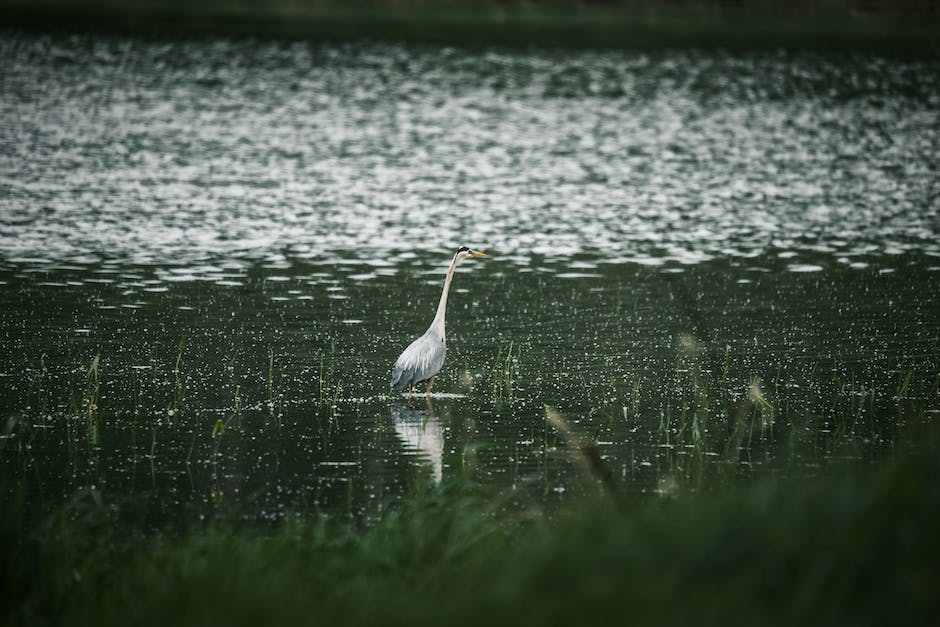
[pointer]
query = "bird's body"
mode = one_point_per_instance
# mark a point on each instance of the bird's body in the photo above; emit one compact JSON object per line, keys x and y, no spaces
{"x":424,"y":357}
{"x":420,"y":361}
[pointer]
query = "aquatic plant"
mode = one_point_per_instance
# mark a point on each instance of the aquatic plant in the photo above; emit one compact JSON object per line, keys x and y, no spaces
{"x":275,"y":405}
{"x":90,"y":400}
{"x":837,"y":550}
{"x":179,"y":389}
{"x":504,"y":372}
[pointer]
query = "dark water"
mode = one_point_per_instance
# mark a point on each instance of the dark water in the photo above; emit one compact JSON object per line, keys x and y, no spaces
{"x":711,"y":265}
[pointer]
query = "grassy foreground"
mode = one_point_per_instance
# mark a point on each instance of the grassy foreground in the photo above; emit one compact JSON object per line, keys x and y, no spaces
{"x":908,"y":26}
{"x":859,"y":546}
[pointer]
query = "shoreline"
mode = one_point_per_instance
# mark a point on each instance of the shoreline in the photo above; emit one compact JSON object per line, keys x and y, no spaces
{"x":584,"y":27}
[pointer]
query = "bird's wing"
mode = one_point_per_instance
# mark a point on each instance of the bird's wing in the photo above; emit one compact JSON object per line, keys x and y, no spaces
{"x":420,"y":361}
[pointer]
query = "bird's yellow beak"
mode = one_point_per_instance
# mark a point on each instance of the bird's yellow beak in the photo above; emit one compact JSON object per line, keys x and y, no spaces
{"x":476,"y":254}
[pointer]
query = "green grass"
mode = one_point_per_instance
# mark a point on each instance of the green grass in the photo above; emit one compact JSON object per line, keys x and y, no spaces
{"x":505,"y":371}
{"x":858,"y":546}
{"x":765,"y":25}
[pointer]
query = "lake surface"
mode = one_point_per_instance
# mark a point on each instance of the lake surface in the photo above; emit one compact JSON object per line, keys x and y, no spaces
{"x":211,"y":253}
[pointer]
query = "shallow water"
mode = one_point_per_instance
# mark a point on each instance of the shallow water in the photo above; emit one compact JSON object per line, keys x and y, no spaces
{"x":712,"y":265}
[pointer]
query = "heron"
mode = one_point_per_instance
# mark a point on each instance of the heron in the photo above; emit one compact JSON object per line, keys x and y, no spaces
{"x":423,"y":358}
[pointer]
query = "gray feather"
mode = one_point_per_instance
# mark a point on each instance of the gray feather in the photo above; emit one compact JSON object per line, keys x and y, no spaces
{"x":420,"y":361}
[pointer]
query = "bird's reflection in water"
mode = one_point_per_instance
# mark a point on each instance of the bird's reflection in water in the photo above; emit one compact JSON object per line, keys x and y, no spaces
{"x":421,"y":431}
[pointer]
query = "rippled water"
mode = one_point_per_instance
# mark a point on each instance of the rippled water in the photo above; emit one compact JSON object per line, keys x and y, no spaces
{"x":172,"y":153}
{"x":709,"y":263}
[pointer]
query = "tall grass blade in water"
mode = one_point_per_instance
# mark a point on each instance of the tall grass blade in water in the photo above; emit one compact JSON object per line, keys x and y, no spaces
{"x":218,"y":430}
{"x":504,"y":373}
{"x":274,"y":405}
{"x":90,"y":400}
{"x":583,"y":450}
{"x":179,"y":391}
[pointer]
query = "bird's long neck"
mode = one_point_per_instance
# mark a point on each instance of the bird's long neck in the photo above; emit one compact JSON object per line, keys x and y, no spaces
{"x":438,"y":324}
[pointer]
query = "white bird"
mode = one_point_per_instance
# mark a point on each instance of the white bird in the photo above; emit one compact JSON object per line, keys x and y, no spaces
{"x":424,"y":357}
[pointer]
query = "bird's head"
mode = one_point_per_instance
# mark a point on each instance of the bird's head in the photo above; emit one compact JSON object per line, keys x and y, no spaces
{"x":463,"y":252}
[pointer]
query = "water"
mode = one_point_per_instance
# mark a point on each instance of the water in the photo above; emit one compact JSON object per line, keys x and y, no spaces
{"x":712,"y":265}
